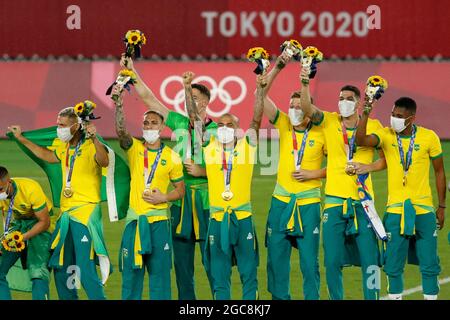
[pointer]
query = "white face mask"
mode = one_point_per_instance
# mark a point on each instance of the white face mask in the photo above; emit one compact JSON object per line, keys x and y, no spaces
{"x":150,"y":135}
{"x":398,"y":124}
{"x":64,"y":134}
{"x":225,"y":134}
{"x":346,"y":108}
{"x":296,"y":116}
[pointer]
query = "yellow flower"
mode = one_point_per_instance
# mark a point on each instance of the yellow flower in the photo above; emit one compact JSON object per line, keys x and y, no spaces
{"x":16,"y":236}
{"x":144,"y":39}
{"x":377,"y":81}
{"x":20,"y":246}
{"x":127,"y":73}
{"x":296,"y":44}
{"x":133,"y":37}
{"x":257,"y":53}
{"x":79,"y":108}
{"x":314,"y":52}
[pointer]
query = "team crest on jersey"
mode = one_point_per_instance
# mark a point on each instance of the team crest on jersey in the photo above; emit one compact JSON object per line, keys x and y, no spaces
{"x":325,"y":217}
{"x":163,"y":162}
{"x":416,"y":147}
{"x":311,"y":143}
{"x":22,"y":206}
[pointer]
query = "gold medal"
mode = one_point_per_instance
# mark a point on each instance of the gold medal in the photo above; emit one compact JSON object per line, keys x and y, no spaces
{"x":350,"y":169}
{"x":67,"y":192}
{"x":147,"y":192}
{"x":227,"y":195}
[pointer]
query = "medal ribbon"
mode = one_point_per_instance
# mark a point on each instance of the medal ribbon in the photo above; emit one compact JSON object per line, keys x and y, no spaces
{"x":69,"y":167}
{"x":227,"y":168}
{"x":349,"y":145}
{"x":10,"y":211}
{"x":406,"y":163}
{"x":298,"y":155}
{"x":149,"y":178}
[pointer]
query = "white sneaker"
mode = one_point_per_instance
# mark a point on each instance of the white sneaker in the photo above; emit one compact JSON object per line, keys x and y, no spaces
{"x":395,"y":296}
{"x":429,"y":297}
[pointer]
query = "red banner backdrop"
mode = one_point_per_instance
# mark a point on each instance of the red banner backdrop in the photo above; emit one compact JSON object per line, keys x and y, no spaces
{"x":339,"y":27}
{"x":35,"y":92}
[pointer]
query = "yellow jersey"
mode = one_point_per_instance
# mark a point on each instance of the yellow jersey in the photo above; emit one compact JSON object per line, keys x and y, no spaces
{"x":427,"y":147}
{"x":169,"y":169}
{"x":243,"y":160}
{"x":29,"y":199}
{"x":315,"y":149}
{"x":86,"y":175}
{"x":338,"y":183}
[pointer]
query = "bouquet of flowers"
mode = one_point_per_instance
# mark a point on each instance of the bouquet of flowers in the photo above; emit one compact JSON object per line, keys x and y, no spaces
{"x":125,"y":78}
{"x":375,"y":88}
{"x":84,"y":110}
{"x":261,"y":57}
{"x":134,"y":40}
{"x":310,"y":58}
{"x":293,"y":48}
{"x":13,"y":241}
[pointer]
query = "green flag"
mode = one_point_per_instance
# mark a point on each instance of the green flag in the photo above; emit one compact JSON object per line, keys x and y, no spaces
{"x":115,"y":187}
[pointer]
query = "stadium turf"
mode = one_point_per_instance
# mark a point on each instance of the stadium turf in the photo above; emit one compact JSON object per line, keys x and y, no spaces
{"x":21,"y":166}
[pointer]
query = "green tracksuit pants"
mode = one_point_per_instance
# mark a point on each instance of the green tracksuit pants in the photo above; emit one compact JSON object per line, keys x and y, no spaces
{"x":158,"y":263}
{"x":425,"y":247}
{"x":279,"y":246}
{"x":362,"y":247}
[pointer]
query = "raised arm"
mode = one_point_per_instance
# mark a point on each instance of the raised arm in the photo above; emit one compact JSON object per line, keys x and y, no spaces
{"x":40,"y":152}
{"x":439,"y":172}
{"x":101,"y":153}
{"x":362,"y":139}
{"x":191,"y":105}
{"x":125,"y":139}
{"x":310,"y":110}
{"x":257,"y":112}
{"x":147,"y":96}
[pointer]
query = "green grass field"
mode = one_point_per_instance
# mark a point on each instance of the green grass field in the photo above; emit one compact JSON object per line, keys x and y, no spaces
{"x":21,"y":166}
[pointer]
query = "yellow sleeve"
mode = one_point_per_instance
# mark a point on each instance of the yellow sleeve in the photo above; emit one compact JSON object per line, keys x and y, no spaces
{"x":379,"y":134}
{"x":131,"y":151}
{"x":323,"y":120}
{"x":435,"y":146}
{"x":37,"y":197}
{"x":176,"y":173}
{"x":281,"y":121}
{"x":377,"y":125}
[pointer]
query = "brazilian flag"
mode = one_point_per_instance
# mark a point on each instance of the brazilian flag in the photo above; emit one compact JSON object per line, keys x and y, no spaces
{"x":115,"y":187}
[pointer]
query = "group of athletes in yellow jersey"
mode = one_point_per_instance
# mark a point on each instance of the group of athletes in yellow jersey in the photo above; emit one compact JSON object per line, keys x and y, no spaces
{"x":209,"y":202}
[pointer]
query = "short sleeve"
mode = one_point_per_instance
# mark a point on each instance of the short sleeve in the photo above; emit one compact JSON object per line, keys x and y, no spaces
{"x":281,"y":121}
{"x":323,"y":119}
{"x":435,"y":146}
{"x":37,"y":199}
{"x":379,"y":134}
{"x":176,"y":173}
{"x":176,"y":121}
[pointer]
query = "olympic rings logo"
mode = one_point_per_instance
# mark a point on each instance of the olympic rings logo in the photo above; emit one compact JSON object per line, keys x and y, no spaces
{"x":217,"y":91}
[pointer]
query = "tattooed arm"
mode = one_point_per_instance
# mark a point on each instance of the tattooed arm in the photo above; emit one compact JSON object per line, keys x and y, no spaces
{"x":125,"y":139}
{"x":257,"y":112}
{"x":310,"y":110}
